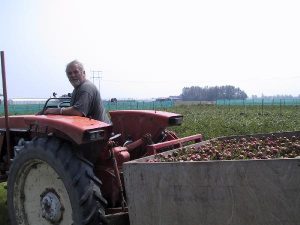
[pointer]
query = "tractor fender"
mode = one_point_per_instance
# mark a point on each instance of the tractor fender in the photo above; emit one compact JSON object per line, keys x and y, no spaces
{"x":78,"y":129}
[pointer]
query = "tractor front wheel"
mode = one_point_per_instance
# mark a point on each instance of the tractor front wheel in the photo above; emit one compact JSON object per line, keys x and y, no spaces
{"x":48,"y":184}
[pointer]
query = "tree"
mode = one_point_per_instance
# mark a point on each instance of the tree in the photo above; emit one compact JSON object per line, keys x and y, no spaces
{"x":196,"y":93}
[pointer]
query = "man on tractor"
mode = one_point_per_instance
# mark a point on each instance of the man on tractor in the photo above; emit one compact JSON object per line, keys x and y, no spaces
{"x":86,"y":100}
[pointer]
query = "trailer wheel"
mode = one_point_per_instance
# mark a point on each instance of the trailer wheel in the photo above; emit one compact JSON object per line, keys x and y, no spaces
{"x":48,"y":184}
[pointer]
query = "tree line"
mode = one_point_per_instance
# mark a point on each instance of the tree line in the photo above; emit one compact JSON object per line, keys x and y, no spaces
{"x":196,"y":93}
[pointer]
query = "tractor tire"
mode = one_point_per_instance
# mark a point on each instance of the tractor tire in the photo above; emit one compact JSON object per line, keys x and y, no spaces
{"x":49,"y":184}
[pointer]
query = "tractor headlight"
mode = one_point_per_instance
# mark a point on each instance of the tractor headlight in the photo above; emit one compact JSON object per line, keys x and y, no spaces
{"x":95,"y":135}
{"x":176,"y":120}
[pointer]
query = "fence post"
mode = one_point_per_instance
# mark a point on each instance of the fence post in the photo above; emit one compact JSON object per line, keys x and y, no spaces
{"x":280,"y":108}
{"x":262,"y":106}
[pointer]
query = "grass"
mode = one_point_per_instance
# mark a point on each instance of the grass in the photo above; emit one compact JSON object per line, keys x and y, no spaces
{"x":3,"y":205}
{"x":215,"y":121}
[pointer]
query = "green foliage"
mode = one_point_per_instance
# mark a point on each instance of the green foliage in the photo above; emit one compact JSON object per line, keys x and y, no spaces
{"x":3,"y":205}
{"x":196,"y":93}
{"x":216,"y":121}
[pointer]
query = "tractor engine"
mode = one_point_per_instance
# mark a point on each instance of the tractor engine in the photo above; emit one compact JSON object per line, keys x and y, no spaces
{"x":104,"y":170}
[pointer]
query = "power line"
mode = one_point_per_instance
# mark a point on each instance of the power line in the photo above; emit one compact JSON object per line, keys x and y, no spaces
{"x":96,"y":75}
{"x":193,"y":81}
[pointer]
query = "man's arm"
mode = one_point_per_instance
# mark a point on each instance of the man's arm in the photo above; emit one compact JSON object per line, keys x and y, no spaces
{"x":70,"y":111}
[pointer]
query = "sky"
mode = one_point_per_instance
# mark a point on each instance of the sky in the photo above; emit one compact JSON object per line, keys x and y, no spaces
{"x":143,"y":49}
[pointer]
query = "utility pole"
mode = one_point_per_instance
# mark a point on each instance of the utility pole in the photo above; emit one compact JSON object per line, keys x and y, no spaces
{"x":96,"y":74}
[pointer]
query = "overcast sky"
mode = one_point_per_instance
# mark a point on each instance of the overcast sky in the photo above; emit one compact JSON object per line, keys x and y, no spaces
{"x":149,"y":49}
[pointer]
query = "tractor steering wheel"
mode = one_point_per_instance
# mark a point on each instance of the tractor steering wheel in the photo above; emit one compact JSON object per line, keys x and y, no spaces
{"x":52,"y":103}
{"x":61,"y":104}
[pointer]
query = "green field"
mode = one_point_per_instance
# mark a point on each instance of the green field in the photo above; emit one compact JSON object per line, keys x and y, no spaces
{"x":215,"y":121}
{"x":3,"y":208}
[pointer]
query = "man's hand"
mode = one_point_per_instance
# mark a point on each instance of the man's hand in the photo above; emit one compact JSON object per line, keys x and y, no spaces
{"x":52,"y":111}
{"x":70,"y":111}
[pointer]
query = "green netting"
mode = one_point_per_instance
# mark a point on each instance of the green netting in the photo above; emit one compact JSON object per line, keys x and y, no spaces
{"x":293,"y":101}
{"x":21,"y":109}
{"x":119,"y":105}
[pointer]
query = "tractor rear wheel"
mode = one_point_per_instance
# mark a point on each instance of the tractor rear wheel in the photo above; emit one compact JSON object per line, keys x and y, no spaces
{"x":49,"y":184}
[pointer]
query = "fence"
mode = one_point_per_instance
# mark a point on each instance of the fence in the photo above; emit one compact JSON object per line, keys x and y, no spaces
{"x":18,"y":109}
{"x":260,"y":101}
{"x":262,"y":106}
{"x":138,"y":105}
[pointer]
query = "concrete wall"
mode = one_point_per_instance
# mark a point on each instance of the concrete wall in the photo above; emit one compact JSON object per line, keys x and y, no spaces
{"x":249,"y":192}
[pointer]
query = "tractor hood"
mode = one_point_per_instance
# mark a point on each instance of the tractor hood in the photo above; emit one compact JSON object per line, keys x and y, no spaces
{"x":78,"y":129}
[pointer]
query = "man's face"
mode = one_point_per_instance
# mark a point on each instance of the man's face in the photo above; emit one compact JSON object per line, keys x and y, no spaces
{"x":75,"y":75}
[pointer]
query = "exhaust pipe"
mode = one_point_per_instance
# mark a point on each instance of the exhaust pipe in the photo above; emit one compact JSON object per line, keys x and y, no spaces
{"x":5,"y":108}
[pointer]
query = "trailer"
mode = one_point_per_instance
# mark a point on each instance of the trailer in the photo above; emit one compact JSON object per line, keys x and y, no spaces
{"x":216,"y":192}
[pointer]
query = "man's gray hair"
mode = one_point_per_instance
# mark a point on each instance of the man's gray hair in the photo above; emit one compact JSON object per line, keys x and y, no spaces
{"x":80,"y":65}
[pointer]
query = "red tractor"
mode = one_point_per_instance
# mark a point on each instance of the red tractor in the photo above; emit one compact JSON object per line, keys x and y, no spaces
{"x":67,"y":170}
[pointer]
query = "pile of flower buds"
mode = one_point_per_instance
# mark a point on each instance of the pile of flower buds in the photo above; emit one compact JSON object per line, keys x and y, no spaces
{"x":270,"y":147}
